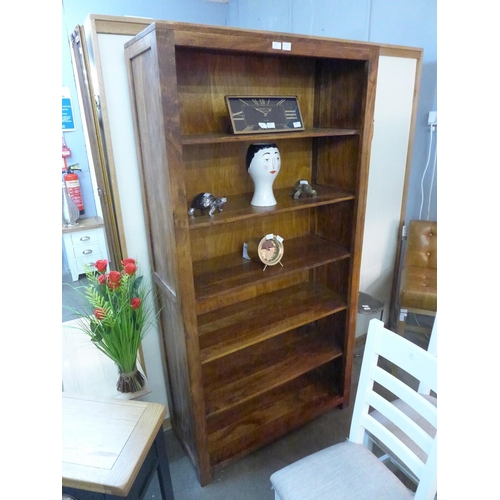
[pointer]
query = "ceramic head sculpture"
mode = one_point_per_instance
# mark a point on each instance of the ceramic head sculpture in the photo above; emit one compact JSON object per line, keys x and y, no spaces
{"x":263,"y":165}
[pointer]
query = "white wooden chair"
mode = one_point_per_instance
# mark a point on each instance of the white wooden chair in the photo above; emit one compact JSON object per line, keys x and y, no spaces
{"x":349,"y":470}
{"x":425,"y":391}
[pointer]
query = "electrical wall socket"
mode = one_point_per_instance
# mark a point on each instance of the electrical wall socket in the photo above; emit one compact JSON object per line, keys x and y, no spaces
{"x":432,"y":118}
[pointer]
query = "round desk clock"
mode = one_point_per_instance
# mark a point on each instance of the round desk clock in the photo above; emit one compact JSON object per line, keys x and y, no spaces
{"x":268,"y":250}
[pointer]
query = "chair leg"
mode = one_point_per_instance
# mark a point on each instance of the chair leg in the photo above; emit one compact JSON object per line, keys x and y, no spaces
{"x":401,"y":325}
{"x":400,"y":330}
{"x":367,"y":442}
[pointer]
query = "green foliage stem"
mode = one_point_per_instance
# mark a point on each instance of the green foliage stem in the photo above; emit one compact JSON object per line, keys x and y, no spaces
{"x":119,"y":333}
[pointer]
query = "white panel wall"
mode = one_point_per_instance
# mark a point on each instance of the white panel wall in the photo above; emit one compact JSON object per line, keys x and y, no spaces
{"x":114,"y":72}
{"x":393,"y":108}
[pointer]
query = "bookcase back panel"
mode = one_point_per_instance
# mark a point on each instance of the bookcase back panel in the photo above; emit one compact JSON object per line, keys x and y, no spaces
{"x":231,"y":73}
{"x":334,"y":327}
{"x":238,"y":366}
{"x":225,"y":239}
{"x":251,"y":291}
{"x":340,"y":93}
{"x":220,"y":169}
{"x":333,"y":276}
{"x":334,"y":223}
{"x":337,"y":162}
{"x":264,"y":418}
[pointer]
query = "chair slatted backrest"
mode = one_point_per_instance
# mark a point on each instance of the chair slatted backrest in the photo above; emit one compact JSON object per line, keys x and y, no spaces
{"x":422,"y":366}
{"x":431,"y":349}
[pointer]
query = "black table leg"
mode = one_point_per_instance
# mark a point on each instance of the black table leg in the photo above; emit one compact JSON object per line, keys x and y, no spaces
{"x":163,"y":468}
{"x":156,"y":462}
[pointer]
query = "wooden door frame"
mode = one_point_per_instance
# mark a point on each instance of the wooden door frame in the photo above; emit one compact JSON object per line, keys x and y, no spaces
{"x":86,"y":61}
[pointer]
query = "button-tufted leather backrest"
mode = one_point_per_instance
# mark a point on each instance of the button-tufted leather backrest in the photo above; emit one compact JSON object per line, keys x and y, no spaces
{"x":421,"y":244}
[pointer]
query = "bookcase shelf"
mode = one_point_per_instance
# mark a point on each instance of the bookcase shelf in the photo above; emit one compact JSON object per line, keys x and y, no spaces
{"x":251,"y":353}
{"x":215,"y":277}
{"x":222,"y":137}
{"x":230,"y":383}
{"x":238,"y":207}
{"x":235,"y":327}
{"x":264,"y":419}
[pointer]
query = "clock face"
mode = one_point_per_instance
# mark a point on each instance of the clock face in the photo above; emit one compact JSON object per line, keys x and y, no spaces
{"x":257,"y":114}
{"x":270,"y":250}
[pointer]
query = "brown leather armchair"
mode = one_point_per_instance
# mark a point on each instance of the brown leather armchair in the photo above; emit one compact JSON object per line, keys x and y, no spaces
{"x":418,"y":286}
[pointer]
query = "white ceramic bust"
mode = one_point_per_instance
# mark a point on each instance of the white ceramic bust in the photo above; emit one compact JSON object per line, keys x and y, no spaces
{"x":263,"y":164}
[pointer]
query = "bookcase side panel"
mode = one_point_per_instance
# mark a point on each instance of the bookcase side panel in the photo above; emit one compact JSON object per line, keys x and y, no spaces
{"x":152,"y":79}
{"x":368,"y":86}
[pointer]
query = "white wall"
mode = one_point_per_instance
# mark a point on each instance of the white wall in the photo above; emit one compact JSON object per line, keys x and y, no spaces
{"x":114,"y":73}
{"x":392,"y":116}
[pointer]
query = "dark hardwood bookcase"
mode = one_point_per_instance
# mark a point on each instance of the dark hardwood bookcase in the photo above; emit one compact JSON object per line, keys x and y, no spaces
{"x":252,"y":354}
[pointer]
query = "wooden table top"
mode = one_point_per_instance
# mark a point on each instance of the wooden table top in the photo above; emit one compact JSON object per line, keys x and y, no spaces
{"x":105,"y":441}
{"x":84,"y":225}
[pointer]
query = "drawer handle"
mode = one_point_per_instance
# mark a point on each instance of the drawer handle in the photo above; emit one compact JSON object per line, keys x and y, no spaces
{"x":85,"y":238}
{"x":87,"y":252}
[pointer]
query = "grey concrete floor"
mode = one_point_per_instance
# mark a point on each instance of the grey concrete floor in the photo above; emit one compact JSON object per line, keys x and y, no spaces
{"x":72,"y":293}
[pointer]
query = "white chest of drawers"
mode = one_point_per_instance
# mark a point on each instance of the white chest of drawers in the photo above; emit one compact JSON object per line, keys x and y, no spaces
{"x":84,"y":244}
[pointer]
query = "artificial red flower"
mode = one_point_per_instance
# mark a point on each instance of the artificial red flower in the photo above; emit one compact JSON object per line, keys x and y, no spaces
{"x":129,"y":268}
{"x":100,"y":313}
{"x":101,"y":265}
{"x":114,"y":280}
{"x":117,"y":315}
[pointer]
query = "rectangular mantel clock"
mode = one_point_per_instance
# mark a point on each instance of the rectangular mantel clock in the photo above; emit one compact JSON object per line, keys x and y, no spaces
{"x":264,"y":114}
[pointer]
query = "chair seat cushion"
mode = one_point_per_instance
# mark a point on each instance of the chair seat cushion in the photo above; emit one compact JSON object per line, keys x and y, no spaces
{"x":345,"y":471}
{"x":419,"y":288}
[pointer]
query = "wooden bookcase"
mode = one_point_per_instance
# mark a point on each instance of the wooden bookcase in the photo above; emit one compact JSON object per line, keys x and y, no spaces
{"x":252,"y":354}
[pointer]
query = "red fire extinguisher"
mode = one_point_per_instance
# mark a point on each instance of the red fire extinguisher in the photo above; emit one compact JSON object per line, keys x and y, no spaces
{"x":73,"y":185}
{"x":71,"y":179}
